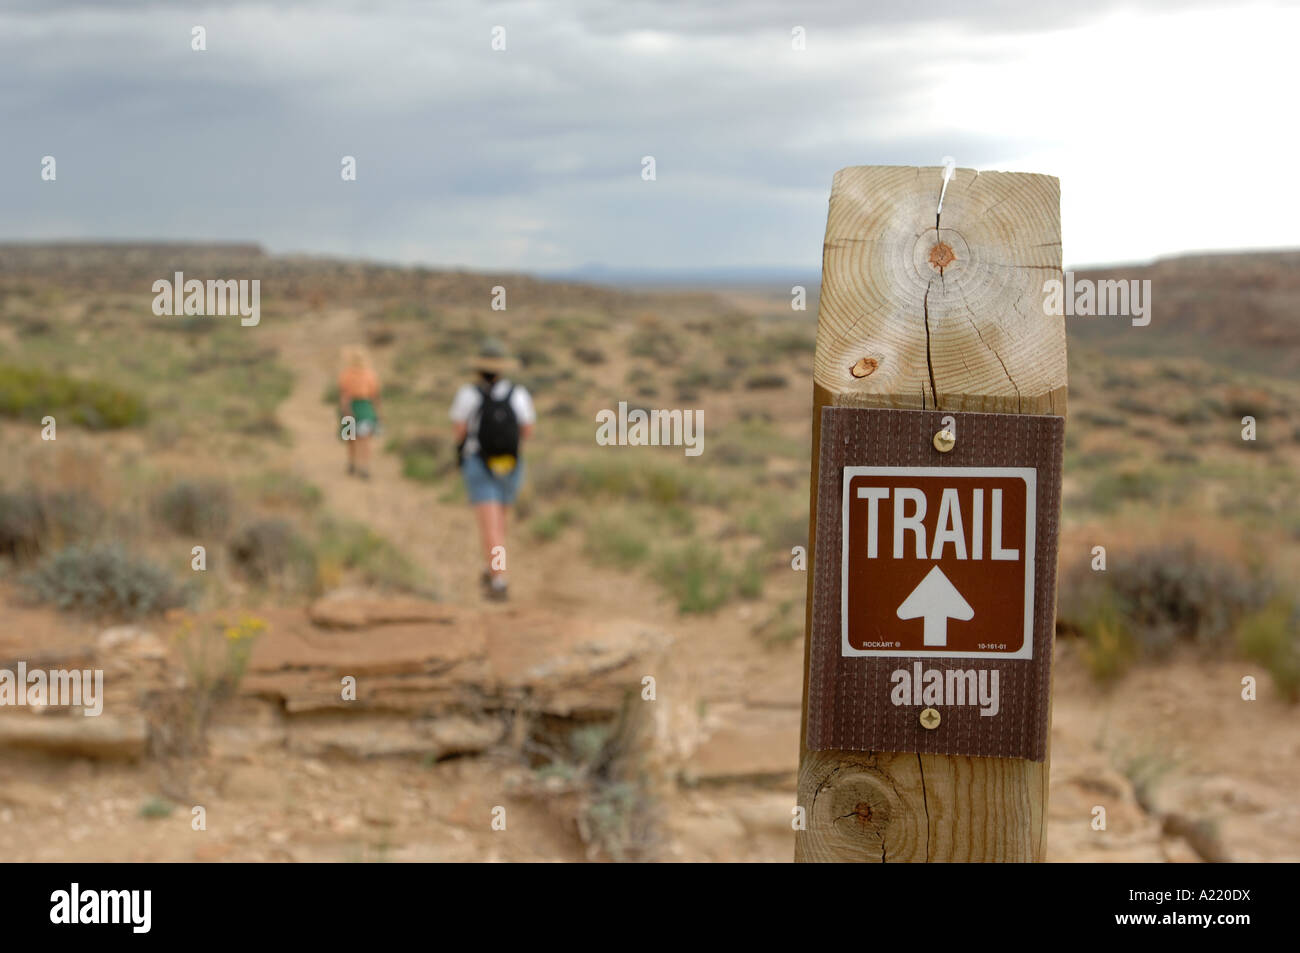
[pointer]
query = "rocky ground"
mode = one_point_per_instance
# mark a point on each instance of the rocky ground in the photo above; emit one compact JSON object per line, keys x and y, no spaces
{"x":539,"y":707}
{"x":448,"y":698}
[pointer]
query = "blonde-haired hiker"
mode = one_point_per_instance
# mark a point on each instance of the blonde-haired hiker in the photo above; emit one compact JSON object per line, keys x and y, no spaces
{"x":492,"y":418}
{"x":359,"y":399}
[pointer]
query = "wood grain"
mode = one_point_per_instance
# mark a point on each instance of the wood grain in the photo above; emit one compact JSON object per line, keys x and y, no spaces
{"x":924,"y":315}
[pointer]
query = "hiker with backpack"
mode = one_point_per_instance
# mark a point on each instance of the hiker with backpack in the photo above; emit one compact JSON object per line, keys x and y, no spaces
{"x":492,"y":417}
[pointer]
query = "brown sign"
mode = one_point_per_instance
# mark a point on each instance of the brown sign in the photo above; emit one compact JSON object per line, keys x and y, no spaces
{"x":938,"y":561}
{"x":934,"y":583}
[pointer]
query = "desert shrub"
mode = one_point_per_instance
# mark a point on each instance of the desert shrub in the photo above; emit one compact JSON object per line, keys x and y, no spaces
{"x":782,"y":626}
{"x":601,"y":766}
{"x":653,"y":343}
{"x":733,"y":452}
{"x":541,"y":380}
{"x":22,"y":524}
{"x":1113,"y":379}
{"x":695,"y":575}
{"x":1094,"y":460}
{"x":30,"y":393}
{"x":156,"y":807}
{"x":617,"y":543}
{"x":353,"y":546}
{"x":1246,"y":402}
{"x":217,"y":672}
{"x":589,"y":355}
{"x":1097,"y":418}
{"x":1162,"y":596}
{"x":787,"y":343}
{"x":643,"y":383}
{"x":1178,"y":372}
{"x":190,"y":508}
{"x":380,"y":336}
{"x":674,"y":518}
{"x":573,"y":323}
{"x":1136,"y":406}
{"x":406,"y":311}
{"x":281,"y":488}
{"x":1178,"y":592}
{"x":765,"y":381}
{"x":189,"y":324}
{"x":104,"y":579}
{"x":749,"y":579}
{"x":452,"y":341}
{"x":698,"y":378}
{"x":1271,"y":637}
{"x":1111,"y":489}
{"x":33,"y":522}
{"x":272,"y":551}
{"x":531,"y":354}
{"x":1192,"y":412}
{"x":257,"y":422}
{"x":550,"y":524}
{"x":215,"y":655}
{"x":71,"y":515}
{"x":614,"y":475}
{"x":426,"y":458}
{"x":781,"y":528}
{"x":1108,"y":647}
{"x":34,"y":326}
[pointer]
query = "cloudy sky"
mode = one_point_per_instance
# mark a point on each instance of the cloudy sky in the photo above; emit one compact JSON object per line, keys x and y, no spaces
{"x":1171,"y":125}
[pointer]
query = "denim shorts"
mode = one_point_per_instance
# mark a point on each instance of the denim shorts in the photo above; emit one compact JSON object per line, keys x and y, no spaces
{"x":485,"y":487}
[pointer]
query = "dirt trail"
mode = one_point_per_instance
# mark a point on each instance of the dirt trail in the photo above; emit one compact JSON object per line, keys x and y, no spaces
{"x":715,"y":662}
{"x":441,"y":538}
{"x":438,"y":537}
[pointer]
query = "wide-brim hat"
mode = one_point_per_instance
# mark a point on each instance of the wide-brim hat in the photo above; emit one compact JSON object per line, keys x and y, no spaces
{"x":493,"y":358}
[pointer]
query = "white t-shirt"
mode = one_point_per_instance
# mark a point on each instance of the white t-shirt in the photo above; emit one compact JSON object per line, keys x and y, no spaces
{"x":468,"y":401}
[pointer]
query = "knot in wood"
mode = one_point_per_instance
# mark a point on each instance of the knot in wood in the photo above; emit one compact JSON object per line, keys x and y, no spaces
{"x":941,"y":255}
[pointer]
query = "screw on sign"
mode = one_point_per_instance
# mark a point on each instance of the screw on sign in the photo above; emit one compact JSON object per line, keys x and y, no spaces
{"x":938,"y":560}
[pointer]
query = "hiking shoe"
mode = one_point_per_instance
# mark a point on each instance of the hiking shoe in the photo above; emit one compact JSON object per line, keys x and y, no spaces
{"x":352,"y":469}
{"x":497,"y":590}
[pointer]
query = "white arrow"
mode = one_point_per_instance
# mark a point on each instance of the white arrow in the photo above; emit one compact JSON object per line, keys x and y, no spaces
{"x":936,"y":600}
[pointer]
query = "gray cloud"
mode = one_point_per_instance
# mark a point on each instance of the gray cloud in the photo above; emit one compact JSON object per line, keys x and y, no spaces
{"x":528,"y":158}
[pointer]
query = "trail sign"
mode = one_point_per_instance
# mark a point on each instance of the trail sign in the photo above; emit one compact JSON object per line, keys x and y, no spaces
{"x":935,"y":571}
{"x":932,"y":315}
{"x":938,"y":561}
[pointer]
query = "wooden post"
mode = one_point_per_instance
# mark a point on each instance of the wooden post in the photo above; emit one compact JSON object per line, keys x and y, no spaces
{"x":923,"y":314}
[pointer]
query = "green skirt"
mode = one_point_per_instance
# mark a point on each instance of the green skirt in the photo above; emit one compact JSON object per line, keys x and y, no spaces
{"x":364,"y":410}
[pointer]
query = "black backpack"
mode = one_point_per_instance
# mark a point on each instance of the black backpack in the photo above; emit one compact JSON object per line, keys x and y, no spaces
{"x":498,"y":427}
